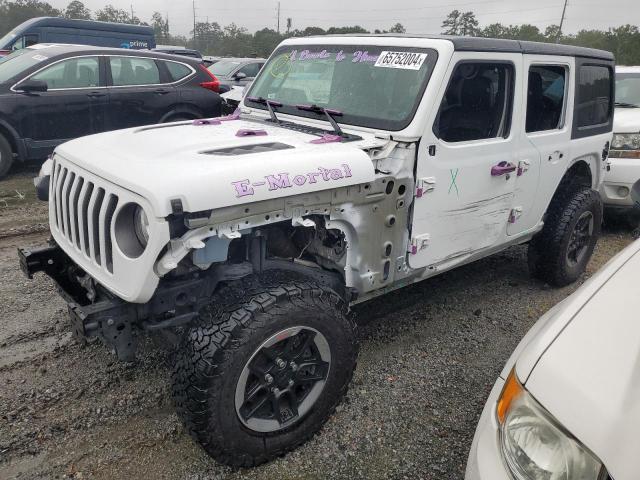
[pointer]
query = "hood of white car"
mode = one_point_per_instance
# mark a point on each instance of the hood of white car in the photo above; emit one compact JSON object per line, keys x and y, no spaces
{"x":222,"y":163}
{"x":626,"y":120}
{"x":588,"y":376}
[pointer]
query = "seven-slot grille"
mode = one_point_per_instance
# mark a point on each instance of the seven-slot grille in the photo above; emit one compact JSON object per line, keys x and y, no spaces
{"x":81,"y":210}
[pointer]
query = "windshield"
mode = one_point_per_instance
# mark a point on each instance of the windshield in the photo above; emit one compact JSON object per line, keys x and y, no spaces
{"x":373,"y":86}
{"x":17,"y":62}
{"x":628,"y":89}
{"x":224,"y":68}
{"x":6,"y":40}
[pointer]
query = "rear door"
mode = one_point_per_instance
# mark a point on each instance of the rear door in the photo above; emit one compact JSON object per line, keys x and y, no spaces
{"x":140,"y":91}
{"x":467,"y":161}
{"x":545,"y":137}
{"x":73,"y":106}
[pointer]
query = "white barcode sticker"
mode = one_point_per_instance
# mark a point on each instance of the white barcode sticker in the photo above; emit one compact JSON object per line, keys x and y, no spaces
{"x":404,"y":60}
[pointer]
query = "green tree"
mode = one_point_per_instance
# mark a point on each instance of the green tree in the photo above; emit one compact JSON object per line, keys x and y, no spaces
{"x":458,"y":23}
{"x":13,"y":13}
{"x":468,"y":25}
{"x":397,"y":28}
{"x":116,"y":15}
{"x":346,"y":30}
{"x":160,"y":27}
{"x":76,"y":9}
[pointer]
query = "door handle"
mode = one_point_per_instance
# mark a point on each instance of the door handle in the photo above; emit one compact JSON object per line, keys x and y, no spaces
{"x":502,"y":168}
{"x":161,"y":91}
{"x":96,"y":94}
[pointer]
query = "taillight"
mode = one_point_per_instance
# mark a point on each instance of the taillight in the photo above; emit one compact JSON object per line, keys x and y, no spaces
{"x":213,"y":84}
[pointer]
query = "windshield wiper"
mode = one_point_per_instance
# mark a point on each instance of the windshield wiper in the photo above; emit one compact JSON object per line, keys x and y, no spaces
{"x":327,"y":113}
{"x":270,"y":104}
{"x":627,"y":105}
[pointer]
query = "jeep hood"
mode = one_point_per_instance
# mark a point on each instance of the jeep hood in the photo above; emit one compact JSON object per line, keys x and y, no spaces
{"x":588,"y":376}
{"x":221,"y":164}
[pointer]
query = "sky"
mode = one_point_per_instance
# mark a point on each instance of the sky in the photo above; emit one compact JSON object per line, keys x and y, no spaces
{"x":418,"y":16}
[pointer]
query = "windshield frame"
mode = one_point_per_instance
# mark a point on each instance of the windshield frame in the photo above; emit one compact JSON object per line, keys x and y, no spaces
{"x":347,"y":119}
{"x":622,"y":76}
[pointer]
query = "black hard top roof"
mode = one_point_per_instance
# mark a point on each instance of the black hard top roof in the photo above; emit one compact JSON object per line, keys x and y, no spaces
{"x":481,"y":44}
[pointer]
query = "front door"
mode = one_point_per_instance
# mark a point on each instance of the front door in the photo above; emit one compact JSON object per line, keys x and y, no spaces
{"x":73,"y":106}
{"x":467,"y":163}
{"x":544,"y":138}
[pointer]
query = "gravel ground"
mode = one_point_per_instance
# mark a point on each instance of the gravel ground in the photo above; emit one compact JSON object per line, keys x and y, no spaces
{"x":430,"y":354}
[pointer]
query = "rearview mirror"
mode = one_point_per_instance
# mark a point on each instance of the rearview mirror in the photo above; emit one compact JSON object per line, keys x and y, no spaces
{"x":240,"y":76}
{"x":32,"y":86}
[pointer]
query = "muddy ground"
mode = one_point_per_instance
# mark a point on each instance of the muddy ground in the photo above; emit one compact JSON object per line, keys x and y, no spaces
{"x":430,"y":354}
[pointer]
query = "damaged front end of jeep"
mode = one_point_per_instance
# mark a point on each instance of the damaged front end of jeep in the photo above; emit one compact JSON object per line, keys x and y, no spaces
{"x":126,"y":271}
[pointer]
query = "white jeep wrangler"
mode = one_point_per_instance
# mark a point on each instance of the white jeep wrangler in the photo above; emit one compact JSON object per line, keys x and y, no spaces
{"x":355,"y":165}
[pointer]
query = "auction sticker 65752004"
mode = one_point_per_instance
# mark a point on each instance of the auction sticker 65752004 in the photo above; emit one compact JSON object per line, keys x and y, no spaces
{"x":404,"y":60}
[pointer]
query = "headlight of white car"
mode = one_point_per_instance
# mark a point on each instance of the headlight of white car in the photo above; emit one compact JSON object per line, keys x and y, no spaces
{"x":626,"y":141}
{"x":535,"y":446}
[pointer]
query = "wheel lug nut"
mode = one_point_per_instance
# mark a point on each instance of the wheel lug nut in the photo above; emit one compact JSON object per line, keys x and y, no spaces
{"x":276,"y":391}
{"x":280,"y":363}
{"x":291,"y":383}
{"x":268,"y":378}
{"x":293,"y":366}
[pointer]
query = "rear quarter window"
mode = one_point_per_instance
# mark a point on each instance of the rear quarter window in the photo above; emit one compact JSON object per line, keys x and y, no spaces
{"x":594,"y":99}
{"x":178,"y":71}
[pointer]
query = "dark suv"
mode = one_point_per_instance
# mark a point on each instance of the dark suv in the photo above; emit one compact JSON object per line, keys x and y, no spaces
{"x":52,"y":93}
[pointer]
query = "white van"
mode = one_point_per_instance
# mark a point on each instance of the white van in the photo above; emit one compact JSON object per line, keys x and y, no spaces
{"x":623,"y":175}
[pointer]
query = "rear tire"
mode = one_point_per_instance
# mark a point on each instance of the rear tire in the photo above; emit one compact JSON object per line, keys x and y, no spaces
{"x":560,"y":253}
{"x":6,"y":157}
{"x":237,"y":382}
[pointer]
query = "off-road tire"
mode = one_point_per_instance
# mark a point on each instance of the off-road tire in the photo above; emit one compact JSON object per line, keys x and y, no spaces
{"x":6,"y":156}
{"x":214,"y":352}
{"x":547,"y":255}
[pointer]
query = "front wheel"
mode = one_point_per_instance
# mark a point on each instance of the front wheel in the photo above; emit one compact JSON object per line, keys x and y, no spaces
{"x":559,"y":254}
{"x":257,"y":378}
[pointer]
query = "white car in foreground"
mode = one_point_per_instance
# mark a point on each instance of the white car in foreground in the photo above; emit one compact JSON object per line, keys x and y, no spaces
{"x":567,"y":404}
{"x":624,"y":157}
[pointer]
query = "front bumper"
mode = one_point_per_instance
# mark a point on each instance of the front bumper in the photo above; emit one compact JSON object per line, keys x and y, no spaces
{"x":485,"y":458}
{"x":620,"y":181}
{"x":95,"y":312}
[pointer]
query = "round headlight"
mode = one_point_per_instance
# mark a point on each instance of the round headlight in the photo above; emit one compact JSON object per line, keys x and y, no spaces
{"x":536,"y":447}
{"x":132,"y":230}
{"x":141,"y":225}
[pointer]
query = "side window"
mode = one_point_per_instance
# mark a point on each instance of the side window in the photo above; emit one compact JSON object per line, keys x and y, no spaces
{"x":477,"y":104}
{"x":593,"y":103}
{"x":251,"y":70}
{"x":73,"y":73}
{"x":546,"y":94}
{"x":178,"y":71}
{"x":25,"y":41}
{"x":134,"y":71}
